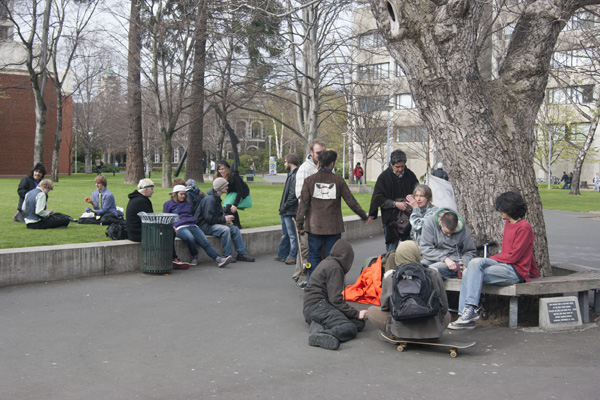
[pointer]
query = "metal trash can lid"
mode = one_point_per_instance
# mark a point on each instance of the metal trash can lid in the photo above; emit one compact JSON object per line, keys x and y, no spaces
{"x":158,"y":218}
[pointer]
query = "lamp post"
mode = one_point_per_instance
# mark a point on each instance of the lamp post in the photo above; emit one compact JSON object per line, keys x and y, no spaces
{"x":344,"y":155}
{"x":549,"y":159}
{"x":388,"y":108}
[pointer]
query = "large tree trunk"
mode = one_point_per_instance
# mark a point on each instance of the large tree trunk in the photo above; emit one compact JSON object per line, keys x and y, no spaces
{"x":483,"y":127}
{"x":193,"y":165}
{"x":134,"y":170}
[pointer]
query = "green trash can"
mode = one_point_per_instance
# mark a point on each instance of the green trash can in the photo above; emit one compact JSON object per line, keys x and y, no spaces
{"x":157,"y":242}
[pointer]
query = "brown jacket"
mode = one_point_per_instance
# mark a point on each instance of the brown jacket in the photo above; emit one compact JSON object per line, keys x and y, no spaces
{"x":320,"y":208}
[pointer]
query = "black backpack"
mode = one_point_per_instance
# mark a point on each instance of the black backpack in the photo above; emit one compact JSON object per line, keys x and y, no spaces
{"x":117,"y":231}
{"x":413,"y":294}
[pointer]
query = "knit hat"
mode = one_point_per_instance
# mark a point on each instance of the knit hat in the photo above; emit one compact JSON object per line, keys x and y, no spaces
{"x":190,"y":182}
{"x":440,"y":166}
{"x":220,"y":184}
{"x":178,"y":188}
{"x":225,"y":163}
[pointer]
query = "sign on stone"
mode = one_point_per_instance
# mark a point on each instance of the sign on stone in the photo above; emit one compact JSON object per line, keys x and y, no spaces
{"x":562,"y":311}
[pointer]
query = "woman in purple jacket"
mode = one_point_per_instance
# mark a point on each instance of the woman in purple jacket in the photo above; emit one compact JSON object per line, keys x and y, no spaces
{"x":186,"y":228}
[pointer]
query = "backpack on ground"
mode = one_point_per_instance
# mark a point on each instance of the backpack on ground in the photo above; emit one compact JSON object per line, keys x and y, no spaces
{"x":117,"y":231}
{"x":413,"y":294}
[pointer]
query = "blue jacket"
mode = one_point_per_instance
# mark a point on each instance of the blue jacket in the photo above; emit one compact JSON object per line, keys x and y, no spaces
{"x":211,"y":212}
{"x":108,"y":202}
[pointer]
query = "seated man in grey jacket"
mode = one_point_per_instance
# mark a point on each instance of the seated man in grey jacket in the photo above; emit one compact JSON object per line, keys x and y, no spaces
{"x":446,"y":243}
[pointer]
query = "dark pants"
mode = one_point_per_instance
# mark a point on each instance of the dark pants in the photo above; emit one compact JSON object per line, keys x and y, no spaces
{"x":52,"y":221}
{"x":315,"y":244}
{"x":333,"y":320}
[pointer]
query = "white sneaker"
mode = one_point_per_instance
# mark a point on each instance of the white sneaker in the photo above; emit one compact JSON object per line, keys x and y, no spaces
{"x":223,"y":261}
{"x":194,"y":261}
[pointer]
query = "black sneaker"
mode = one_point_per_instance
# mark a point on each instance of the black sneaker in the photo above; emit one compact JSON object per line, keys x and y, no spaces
{"x":244,"y":257}
{"x":324,"y":341}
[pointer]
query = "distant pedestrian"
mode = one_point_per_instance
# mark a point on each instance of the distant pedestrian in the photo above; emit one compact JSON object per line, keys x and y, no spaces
{"x":565,"y":179}
{"x":212,"y":167}
{"x":252,"y":169}
{"x":596,"y":181}
{"x":439,"y":172}
{"x":99,"y":163}
{"x":358,"y":173}
{"x":570,"y":180}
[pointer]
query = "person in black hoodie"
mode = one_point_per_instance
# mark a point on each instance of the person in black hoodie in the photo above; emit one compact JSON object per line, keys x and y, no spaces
{"x":28,"y":183}
{"x":330,"y":318}
{"x":139,"y":201}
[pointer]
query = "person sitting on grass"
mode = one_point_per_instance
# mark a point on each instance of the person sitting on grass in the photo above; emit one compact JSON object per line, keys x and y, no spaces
{"x":34,"y":208}
{"x":102,"y":202}
{"x":186,"y":228}
{"x":515,"y":264}
{"x":330,"y":318}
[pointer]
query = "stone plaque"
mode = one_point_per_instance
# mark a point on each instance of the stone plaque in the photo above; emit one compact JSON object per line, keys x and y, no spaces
{"x":558,"y":313}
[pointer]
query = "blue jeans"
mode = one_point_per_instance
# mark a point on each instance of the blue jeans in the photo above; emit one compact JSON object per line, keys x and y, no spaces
{"x":193,"y":235}
{"x":480,"y":271}
{"x":229,"y":233}
{"x":288,"y":247}
{"x":443,"y":269}
{"x":315,"y":244}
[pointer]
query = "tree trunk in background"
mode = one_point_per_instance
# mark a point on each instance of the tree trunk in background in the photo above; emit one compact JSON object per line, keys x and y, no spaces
{"x":193,"y":163}
{"x":134,"y":170}
{"x":581,"y":157}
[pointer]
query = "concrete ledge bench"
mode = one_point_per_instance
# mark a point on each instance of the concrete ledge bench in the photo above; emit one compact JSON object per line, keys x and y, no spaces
{"x":580,"y":282}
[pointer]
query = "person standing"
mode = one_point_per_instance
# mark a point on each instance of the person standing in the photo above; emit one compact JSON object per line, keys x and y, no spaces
{"x":320,"y":209}
{"x":212,"y":167}
{"x":288,"y":247}
{"x":253,"y":169}
{"x":391,"y":189}
{"x":34,"y":208}
{"x":596,"y":182}
{"x":307,"y":168}
{"x":238,"y":192}
{"x":28,"y":183}
{"x":358,"y":173}
{"x":439,"y":172}
{"x":565,"y":179}
{"x":139,"y":201}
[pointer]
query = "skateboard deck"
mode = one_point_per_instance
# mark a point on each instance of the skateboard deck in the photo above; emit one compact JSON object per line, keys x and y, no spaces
{"x":299,"y":245}
{"x":451,"y":346}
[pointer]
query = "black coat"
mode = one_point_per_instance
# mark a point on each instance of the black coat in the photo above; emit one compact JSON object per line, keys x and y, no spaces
{"x":27,"y":184}
{"x":289,"y":201}
{"x":388,"y":188}
{"x":137,"y":203}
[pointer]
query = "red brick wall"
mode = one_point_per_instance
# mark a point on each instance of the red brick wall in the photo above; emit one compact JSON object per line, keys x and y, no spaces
{"x":17,"y":126}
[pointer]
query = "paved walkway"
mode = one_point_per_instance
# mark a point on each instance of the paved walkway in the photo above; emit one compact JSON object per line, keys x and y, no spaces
{"x":238,"y":333}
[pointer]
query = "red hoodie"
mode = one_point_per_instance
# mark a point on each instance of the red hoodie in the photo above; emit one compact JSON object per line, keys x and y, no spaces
{"x":517,"y":249}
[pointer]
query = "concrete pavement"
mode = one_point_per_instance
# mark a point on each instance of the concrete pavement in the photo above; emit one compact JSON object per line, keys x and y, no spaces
{"x":238,"y":333}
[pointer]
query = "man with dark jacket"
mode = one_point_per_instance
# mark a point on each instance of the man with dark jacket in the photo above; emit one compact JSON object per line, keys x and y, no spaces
{"x":389,"y":194}
{"x":139,"y":201}
{"x":212,"y":220}
{"x":330,"y":318}
{"x":446,"y":243}
{"x":288,"y":247}
{"x":439,"y":172}
{"x":28,"y":183}
{"x":320,"y":209}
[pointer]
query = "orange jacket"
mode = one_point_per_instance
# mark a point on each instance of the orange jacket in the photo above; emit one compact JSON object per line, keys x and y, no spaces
{"x":367,"y":289}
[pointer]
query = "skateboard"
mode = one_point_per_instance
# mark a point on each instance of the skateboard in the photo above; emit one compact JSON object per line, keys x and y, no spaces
{"x":451,"y":346}
{"x":299,"y":246}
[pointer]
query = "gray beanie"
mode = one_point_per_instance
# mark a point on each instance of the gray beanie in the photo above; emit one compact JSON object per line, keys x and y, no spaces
{"x":220,"y":184}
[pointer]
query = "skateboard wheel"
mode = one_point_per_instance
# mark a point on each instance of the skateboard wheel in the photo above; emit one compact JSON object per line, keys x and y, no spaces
{"x":401,"y":347}
{"x":453,"y":353}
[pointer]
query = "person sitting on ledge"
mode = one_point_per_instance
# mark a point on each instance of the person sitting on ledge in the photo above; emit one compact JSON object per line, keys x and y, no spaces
{"x":139,"y":201}
{"x":515,"y":264}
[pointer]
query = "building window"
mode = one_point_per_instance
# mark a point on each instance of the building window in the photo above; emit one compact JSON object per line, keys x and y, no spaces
{"x":508,"y":31}
{"x":371,"y":40}
{"x":580,"y":21}
{"x":176,"y":155}
{"x":399,"y":71}
{"x":371,"y":104}
{"x":374,"y":71}
{"x":404,"y":101}
{"x":406,"y":134}
{"x":256,"y":130}
{"x":572,"y":94}
{"x":157,"y":157}
{"x":573,"y":58}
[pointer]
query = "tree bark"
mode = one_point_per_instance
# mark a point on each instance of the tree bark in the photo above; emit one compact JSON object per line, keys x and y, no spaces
{"x":581,"y":157}
{"x":193,"y":165}
{"x":482,"y":126}
{"x":134,"y":170}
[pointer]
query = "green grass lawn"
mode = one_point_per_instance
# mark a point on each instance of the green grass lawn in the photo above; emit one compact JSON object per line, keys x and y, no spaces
{"x":559,"y":199}
{"x":69,"y":194}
